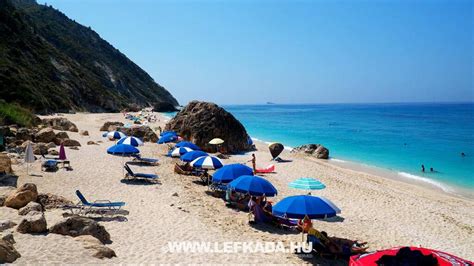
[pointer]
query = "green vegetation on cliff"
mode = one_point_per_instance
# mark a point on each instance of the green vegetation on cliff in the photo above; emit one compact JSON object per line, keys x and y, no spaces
{"x":49,"y":62}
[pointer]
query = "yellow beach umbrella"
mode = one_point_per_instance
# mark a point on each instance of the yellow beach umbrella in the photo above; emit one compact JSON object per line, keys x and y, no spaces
{"x":216,"y":141}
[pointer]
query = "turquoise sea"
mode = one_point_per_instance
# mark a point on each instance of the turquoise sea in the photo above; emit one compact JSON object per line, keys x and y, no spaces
{"x":395,"y":137}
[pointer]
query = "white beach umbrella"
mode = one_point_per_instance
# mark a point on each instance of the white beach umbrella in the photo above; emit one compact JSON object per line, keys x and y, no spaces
{"x":29,"y":157}
{"x":216,"y":141}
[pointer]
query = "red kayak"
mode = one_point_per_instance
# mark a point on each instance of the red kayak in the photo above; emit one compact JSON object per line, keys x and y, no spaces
{"x":443,"y":258}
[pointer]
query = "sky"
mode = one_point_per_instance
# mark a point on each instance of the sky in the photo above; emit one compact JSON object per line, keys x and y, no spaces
{"x":251,"y":52}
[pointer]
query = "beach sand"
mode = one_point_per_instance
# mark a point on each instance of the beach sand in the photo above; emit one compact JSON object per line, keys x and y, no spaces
{"x":384,"y":212}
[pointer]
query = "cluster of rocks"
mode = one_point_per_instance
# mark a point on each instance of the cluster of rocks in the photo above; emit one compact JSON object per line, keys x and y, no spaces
{"x":43,"y":138}
{"x":143,"y":132}
{"x":31,"y":206}
{"x":200,"y":122}
{"x":315,"y":150}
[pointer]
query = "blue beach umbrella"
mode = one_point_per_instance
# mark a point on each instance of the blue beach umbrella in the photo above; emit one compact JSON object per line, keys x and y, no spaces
{"x":297,"y":207}
{"x":166,"y":138}
{"x":177,"y":152}
{"x":168,"y":132}
{"x":115,"y":135}
{"x":230,"y":172}
{"x":131,"y":141}
{"x":207,"y":162}
{"x":187,"y":144}
{"x":192,"y":155}
{"x":307,"y":183}
{"x":253,"y":185}
{"x":122,"y":150}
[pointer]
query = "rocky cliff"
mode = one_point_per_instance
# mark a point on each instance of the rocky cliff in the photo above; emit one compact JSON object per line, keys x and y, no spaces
{"x":49,"y":62}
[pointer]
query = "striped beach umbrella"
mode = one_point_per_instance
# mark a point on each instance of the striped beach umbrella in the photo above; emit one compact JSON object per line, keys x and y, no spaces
{"x":207,"y":162}
{"x":192,"y":155}
{"x":177,"y":152}
{"x":307,"y":183}
{"x":115,"y":135}
{"x":134,"y":141}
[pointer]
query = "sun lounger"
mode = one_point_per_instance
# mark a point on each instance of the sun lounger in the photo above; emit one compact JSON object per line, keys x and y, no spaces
{"x":49,"y":166}
{"x":138,"y":158}
{"x":131,"y":175}
{"x":180,"y":170}
{"x":102,"y":206}
{"x":269,"y":169}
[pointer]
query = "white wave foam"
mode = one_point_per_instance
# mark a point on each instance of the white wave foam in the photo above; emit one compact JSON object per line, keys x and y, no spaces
{"x":337,"y":160}
{"x":440,"y":185}
{"x":289,"y":148}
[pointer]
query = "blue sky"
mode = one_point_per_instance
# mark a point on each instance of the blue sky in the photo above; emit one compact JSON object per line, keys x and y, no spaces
{"x":246,"y":52}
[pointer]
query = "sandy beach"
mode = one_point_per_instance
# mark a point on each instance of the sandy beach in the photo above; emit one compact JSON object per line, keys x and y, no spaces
{"x":384,"y":212}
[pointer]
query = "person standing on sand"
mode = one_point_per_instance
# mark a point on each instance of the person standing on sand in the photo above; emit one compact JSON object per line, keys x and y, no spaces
{"x":254,"y":163}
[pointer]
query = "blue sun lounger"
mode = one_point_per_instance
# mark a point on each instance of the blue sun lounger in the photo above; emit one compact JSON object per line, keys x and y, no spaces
{"x":138,"y":158}
{"x":131,"y":175}
{"x":85,"y":206}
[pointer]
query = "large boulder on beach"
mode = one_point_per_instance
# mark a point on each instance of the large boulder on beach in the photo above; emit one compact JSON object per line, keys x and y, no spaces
{"x":31,"y":207}
{"x":71,"y":143}
{"x":60,"y":123}
{"x":62,"y":135}
{"x":315,"y":150}
{"x":52,"y":201}
{"x":98,"y":249}
{"x":276,"y":149}
{"x":143,"y":132}
{"x":8,"y":253}
{"x":77,"y":226}
{"x":200,"y":122}
{"x":6,"y":224}
{"x":22,"y":196}
{"x":5,"y":164}
{"x":24,"y":134}
{"x":40,"y":148}
{"x":111,"y":126}
{"x":33,"y":223}
{"x":45,"y":135}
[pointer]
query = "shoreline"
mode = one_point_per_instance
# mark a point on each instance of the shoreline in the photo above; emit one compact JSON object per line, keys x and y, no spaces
{"x":384,"y":212}
{"x":408,"y":178}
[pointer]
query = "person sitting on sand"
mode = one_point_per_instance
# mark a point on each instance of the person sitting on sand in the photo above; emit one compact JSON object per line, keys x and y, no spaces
{"x":305,"y":224}
{"x":337,"y":245}
{"x":268,"y":208}
{"x":252,"y":203}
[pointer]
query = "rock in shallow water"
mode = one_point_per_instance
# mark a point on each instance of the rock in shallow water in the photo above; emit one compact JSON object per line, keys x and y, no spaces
{"x":315,"y":150}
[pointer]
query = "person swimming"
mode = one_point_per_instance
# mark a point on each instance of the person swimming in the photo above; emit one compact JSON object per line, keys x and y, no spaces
{"x":423,"y":168}
{"x":463,"y":154}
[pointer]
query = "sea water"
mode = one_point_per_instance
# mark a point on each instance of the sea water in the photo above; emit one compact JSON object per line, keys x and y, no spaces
{"x":396,"y":137}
